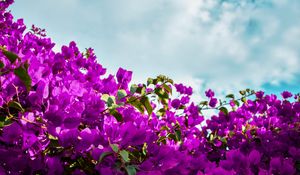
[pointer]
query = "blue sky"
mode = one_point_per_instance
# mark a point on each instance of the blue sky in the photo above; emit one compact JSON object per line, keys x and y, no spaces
{"x":225,"y":45}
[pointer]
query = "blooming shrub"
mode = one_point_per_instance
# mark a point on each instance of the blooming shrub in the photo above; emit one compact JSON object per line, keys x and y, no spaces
{"x":60,"y":113}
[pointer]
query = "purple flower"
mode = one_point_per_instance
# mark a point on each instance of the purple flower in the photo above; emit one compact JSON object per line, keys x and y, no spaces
{"x":183,"y":89}
{"x":209,"y":93}
{"x":180,"y":88}
{"x":213,"y":102}
{"x":109,"y":85}
{"x":29,"y":138}
{"x":68,"y":137}
{"x":286,"y":94}
{"x":124,"y":77}
{"x":63,"y":123}
{"x":232,"y":104}
{"x":185,"y":99}
{"x":189,"y":91}
{"x":11,"y":133}
{"x":175,"y":103}
{"x":296,"y":107}
{"x":259,"y":94}
{"x":254,"y":157}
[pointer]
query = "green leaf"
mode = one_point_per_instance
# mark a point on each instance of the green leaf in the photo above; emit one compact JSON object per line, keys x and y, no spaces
{"x":144,"y":149}
{"x":51,"y":137}
{"x":230,"y":96}
{"x":161,"y":78}
{"x":116,"y":114}
{"x":110,"y":101}
{"x":145,"y":101}
{"x":149,"y":81}
{"x":237,"y":103}
{"x":2,"y":118}
{"x":114,"y":147}
{"x":103,"y":155}
{"x":136,"y":103}
{"x":164,"y":128}
{"x":10,"y":55}
{"x":121,"y":94}
{"x":178,"y":134}
{"x":211,"y":137}
{"x":125,"y":156}
{"x":172,"y":136}
{"x":223,"y":140}
{"x":297,"y":165}
{"x":162,"y":139}
{"x":170,"y":81}
{"x":1,"y":64}
{"x":224,"y":110}
{"x":203,"y":103}
{"x":167,"y":88}
{"x":81,"y":161}
{"x":133,"y":88}
{"x":243,"y":92}
{"x":161,"y":112}
{"x":104,"y":97}
{"x":22,"y":73}
{"x":141,"y":90}
{"x":182,"y":107}
{"x":16,"y":105}
{"x":244,"y":99}
{"x":161,"y":93}
{"x":155,"y":81}
{"x":130,"y":169}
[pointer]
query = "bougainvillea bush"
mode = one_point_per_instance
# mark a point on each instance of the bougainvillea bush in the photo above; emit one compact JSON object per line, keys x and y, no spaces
{"x":61,"y":113}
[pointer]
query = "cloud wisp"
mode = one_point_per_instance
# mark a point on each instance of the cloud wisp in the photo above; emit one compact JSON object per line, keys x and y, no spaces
{"x":225,"y":45}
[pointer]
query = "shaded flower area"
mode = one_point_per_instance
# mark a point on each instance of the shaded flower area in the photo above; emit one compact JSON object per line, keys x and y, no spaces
{"x":61,"y":113}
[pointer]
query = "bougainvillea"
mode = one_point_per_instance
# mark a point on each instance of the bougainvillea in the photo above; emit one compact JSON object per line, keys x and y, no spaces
{"x":60,"y":113}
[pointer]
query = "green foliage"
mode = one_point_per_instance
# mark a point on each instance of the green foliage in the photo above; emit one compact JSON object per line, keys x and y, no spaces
{"x":116,"y":114}
{"x":146,"y":103}
{"x":224,"y":110}
{"x":121,"y":94}
{"x":12,"y":57}
{"x":115,"y":147}
{"x":125,"y":156}
{"x":16,"y":105}
{"x":130,"y":169}
{"x":22,"y":73}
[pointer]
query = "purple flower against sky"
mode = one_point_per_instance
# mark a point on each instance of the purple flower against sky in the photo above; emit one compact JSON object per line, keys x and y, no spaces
{"x":60,"y":113}
{"x":286,"y":94}
{"x":213,"y":102}
{"x":209,"y":93}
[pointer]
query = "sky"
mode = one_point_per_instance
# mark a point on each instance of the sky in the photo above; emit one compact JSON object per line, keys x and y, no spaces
{"x":226,"y":45}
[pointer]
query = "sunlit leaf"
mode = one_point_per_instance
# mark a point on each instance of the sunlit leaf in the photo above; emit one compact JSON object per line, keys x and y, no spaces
{"x":125,"y":156}
{"x":116,"y":114}
{"x":130,"y":169}
{"x":147,"y":105}
{"x":121,"y":94}
{"x":114,"y":147}
{"x":133,"y":88}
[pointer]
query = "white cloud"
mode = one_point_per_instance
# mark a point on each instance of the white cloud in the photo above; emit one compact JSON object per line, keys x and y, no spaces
{"x":228,"y":46}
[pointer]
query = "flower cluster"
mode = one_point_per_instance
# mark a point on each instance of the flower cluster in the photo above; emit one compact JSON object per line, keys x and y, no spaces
{"x":61,"y":113}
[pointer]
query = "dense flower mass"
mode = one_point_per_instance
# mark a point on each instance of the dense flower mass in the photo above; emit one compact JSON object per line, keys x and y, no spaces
{"x":61,"y":113}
